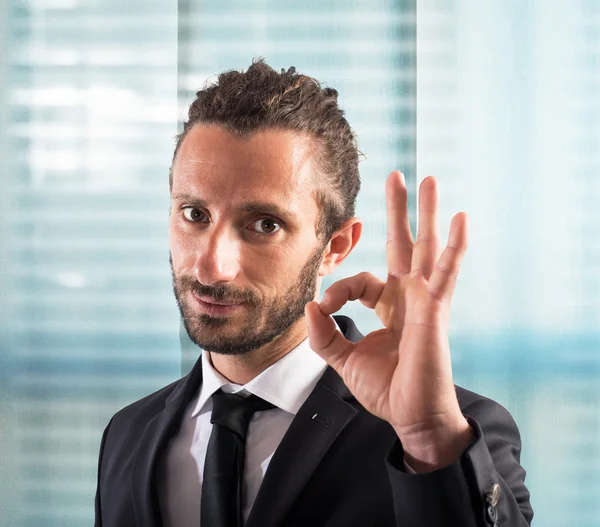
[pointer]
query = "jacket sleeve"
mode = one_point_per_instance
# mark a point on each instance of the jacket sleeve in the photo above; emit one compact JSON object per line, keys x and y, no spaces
{"x":97,"y":502}
{"x":485,"y":487}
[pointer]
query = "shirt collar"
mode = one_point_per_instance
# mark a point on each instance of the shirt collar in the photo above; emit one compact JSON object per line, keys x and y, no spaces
{"x":285,"y":384}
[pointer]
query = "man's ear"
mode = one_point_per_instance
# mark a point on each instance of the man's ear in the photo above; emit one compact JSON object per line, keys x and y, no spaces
{"x":341,"y":244}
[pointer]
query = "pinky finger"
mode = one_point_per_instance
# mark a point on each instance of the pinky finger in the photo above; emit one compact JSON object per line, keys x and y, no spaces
{"x":442,"y":281}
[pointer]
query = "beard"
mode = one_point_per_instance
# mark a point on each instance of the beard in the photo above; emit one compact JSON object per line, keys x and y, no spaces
{"x":265,"y":319}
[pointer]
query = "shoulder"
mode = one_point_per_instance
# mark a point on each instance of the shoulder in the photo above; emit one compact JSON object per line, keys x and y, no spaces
{"x":135,"y":415}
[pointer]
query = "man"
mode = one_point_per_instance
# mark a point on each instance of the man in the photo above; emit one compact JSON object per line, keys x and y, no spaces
{"x":290,"y":417}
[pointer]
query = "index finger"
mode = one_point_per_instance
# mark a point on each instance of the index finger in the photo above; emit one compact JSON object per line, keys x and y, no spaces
{"x":364,"y":287}
{"x":399,"y":244}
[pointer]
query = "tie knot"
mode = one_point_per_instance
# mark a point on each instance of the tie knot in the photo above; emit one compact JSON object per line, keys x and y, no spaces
{"x":234,"y":411}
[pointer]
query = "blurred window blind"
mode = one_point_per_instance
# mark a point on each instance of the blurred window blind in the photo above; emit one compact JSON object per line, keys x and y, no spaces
{"x":93,"y":95}
{"x":364,"y":49}
{"x":508,"y":117}
{"x":88,"y":319}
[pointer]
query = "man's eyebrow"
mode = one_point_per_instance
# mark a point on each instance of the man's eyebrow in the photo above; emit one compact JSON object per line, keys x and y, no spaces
{"x":188,"y":198}
{"x":271,"y":209}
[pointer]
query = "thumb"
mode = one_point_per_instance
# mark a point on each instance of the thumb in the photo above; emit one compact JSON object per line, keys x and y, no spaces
{"x":325,"y":339}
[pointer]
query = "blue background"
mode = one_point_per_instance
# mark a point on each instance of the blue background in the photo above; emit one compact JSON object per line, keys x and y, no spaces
{"x":499,"y":99}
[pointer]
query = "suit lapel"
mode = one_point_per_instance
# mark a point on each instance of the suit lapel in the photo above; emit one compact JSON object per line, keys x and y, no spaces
{"x":153,"y":441}
{"x":320,"y":420}
{"x":316,"y":426}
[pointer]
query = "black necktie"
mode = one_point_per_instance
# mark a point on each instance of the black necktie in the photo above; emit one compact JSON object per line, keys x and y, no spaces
{"x":221,"y":504}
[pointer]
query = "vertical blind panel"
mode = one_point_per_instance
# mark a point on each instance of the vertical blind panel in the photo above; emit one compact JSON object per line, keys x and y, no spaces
{"x":88,"y":320}
{"x":93,"y":99}
{"x":364,"y":49}
{"x":508,"y":118}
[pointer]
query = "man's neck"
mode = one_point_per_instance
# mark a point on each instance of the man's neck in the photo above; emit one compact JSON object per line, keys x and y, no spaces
{"x":241,"y":369}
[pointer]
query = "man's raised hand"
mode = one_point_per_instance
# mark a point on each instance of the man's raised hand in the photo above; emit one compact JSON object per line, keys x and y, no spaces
{"x":403,"y":373}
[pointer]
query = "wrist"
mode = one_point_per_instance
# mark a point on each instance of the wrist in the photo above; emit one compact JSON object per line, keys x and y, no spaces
{"x":432,"y":449}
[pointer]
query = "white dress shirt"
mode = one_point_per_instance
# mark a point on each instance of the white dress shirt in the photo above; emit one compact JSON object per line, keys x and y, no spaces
{"x":286,"y":384}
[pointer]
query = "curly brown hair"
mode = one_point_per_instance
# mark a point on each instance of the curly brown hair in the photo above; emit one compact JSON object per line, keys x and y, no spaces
{"x":260,"y":98}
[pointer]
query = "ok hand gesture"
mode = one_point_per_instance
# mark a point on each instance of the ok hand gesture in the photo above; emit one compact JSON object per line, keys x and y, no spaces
{"x":403,"y":373}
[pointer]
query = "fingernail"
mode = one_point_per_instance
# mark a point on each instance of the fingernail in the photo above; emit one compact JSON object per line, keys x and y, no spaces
{"x":307,"y":318}
{"x":402,"y":178}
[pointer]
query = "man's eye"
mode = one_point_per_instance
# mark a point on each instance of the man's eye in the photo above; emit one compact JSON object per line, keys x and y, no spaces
{"x":194,"y":215}
{"x":266,"y":226}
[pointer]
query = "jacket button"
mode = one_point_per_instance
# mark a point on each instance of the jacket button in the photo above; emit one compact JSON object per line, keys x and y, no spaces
{"x":492,"y":514}
{"x":493,"y":495}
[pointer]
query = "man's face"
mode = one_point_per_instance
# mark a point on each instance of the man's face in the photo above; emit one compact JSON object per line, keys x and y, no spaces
{"x":245,"y":255}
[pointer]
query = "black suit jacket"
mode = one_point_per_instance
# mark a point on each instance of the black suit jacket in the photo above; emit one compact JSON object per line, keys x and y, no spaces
{"x":342,"y":470}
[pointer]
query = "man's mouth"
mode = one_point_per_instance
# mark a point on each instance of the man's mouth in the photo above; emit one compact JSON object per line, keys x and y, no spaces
{"x":210,"y":306}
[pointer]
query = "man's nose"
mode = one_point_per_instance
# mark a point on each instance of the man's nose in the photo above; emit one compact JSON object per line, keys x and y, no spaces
{"x":219,"y":258}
